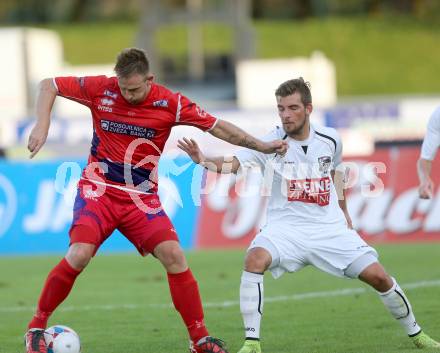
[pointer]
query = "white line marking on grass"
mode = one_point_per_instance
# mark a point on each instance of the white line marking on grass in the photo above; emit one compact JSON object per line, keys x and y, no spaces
{"x":229,"y":303}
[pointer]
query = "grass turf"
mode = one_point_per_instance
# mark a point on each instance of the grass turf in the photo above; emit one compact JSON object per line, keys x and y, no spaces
{"x":121,"y":303}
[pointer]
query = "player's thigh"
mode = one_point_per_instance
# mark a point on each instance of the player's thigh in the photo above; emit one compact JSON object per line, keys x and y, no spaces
{"x":94,"y":218}
{"x":146,"y":230}
{"x":285,"y":252}
{"x":338,"y":251}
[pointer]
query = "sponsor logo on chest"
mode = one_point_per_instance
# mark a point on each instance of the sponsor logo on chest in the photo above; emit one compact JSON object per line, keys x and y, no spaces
{"x":107,"y":101}
{"x":161,"y":103}
{"x":127,"y":129}
{"x":313,"y":190}
{"x":104,"y":108}
{"x":110,"y":94}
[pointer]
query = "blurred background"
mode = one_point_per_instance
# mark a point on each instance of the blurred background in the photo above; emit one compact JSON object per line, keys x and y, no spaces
{"x":372,"y":64}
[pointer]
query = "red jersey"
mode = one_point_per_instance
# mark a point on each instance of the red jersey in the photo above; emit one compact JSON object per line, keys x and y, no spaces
{"x":125,"y":134}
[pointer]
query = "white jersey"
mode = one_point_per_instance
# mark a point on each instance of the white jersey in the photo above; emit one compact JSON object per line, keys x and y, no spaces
{"x":301,"y":189}
{"x":431,"y":141}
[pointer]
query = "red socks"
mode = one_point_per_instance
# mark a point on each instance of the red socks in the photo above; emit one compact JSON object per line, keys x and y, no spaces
{"x":186,"y":299}
{"x":183,"y":287}
{"x":58,"y":284}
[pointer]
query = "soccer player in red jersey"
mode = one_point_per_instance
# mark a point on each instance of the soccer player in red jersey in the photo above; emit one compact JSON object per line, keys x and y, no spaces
{"x":132,"y":119}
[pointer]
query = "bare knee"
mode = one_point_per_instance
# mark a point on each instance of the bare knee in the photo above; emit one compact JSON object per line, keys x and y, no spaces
{"x":171,"y":255}
{"x":376,"y":277}
{"x":79,"y":255}
{"x":257,"y":260}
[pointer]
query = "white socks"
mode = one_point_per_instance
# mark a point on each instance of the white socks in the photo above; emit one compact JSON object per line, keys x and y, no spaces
{"x":252,"y":299}
{"x":399,"y":306}
{"x":251,"y":303}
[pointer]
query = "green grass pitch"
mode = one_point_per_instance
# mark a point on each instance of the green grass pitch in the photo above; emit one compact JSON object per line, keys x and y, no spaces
{"x":121,"y":304}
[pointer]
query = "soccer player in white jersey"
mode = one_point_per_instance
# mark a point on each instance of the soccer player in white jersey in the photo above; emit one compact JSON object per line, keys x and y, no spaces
{"x":431,"y":142}
{"x":306,"y":223}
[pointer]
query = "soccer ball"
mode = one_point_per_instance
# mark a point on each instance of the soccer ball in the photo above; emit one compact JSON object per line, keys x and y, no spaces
{"x":62,"y":339}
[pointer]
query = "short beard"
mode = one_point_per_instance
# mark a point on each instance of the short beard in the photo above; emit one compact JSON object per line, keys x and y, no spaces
{"x":299,"y":129}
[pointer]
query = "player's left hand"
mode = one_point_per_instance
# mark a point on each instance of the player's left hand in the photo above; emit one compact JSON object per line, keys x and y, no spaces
{"x":348,"y":219}
{"x":349,"y":222}
{"x":426,"y":189}
{"x":277,"y":146}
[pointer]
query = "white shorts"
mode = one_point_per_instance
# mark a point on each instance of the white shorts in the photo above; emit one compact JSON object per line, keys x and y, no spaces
{"x":332,"y":251}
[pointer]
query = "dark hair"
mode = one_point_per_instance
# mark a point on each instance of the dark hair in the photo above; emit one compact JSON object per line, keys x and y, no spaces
{"x":131,"y":61}
{"x":295,"y":85}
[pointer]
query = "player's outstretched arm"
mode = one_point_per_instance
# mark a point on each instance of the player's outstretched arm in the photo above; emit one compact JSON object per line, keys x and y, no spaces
{"x":426,"y":186}
{"x":214,"y":164}
{"x":233,"y":134}
{"x":47,"y":93}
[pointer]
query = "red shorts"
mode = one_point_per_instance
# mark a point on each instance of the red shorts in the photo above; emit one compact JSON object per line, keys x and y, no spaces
{"x":143,"y":222}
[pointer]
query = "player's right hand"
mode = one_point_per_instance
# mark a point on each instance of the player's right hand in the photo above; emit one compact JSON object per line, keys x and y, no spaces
{"x":426,"y":189}
{"x":37,"y":138}
{"x":192,"y":148}
{"x":277,"y":146}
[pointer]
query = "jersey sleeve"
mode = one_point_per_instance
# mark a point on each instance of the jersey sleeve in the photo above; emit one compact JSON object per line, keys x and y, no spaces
{"x":337,"y":159}
{"x":189,"y":113}
{"x":431,"y":142}
{"x":79,"y":89}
